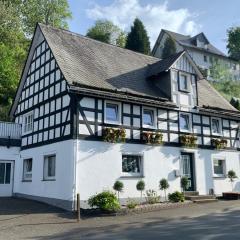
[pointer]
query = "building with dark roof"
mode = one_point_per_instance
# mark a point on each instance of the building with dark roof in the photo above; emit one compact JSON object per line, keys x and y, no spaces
{"x":93,"y":113}
{"x":200,"y":49}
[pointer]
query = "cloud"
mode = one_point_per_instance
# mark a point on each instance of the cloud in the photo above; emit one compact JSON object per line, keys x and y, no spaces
{"x":154,"y":16}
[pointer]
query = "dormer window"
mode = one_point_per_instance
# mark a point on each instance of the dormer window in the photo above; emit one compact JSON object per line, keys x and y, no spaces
{"x":184,"y":82}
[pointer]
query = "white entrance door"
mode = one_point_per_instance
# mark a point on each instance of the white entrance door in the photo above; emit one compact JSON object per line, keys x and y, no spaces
{"x":6,"y":178}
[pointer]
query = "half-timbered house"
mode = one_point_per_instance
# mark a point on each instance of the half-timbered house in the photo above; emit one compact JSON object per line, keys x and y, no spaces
{"x":93,"y":113}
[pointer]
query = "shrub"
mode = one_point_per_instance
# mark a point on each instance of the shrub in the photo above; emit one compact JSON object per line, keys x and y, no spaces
{"x":131,"y":204}
{"x":152,"y":197}
{"x":164,"y":185}
{"x":231,"y":175}
{"x":118,"y":186}
{"x":176,"y":197}
{"x":140,"y":186}
{"x":106,"y":201}
{"x":184,"y":183}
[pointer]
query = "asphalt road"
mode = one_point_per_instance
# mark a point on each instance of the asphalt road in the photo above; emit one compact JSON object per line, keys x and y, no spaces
{"x":24,"y":219}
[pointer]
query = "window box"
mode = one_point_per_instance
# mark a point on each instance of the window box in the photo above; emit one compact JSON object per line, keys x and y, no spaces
{"x":188,"y":140}
{"x":152,"y":137}
{"x":114,"y":135}
{"x":219,"y":143}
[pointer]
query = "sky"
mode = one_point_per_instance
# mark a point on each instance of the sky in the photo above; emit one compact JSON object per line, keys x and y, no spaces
{"x":213,"y":17}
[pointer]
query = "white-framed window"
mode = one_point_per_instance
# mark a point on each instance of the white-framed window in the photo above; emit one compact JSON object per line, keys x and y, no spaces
{"x":216,"y":126}
{"x":132,"y":165}
{"x":49,"y":167}
{"x":185,"y":122}
{"x":112,"y":112}
{"x":184,"y":82}
{"x":27,"y":169}
{"x":219,"y":167}
{"x":28,"y":123}
{"x":148,"y":118}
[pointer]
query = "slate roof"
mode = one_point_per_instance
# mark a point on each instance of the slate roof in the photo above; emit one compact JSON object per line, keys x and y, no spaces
{"x":93,"y":64}
{"x":188,"y":41}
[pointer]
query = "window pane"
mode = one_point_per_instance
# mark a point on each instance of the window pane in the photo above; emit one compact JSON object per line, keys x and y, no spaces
{"x":148,"y":117}
{"x":215,"y":126}
{"x":112,"y":112}
{"x":131,"y":164}
{"x":2,"y":173}
{"x":8,"y":173}
{"x":218,"y":166}
{"x":183,"y":82}
{"x":184,"y":122}
{"x":51,"y":166}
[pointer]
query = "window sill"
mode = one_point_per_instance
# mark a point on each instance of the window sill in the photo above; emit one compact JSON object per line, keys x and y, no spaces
{"x":48,"y":180}
{"x":184,"y":91}
{"x":126,"y":177}
{"x":219,"y":176}
{"x":25,"y":180}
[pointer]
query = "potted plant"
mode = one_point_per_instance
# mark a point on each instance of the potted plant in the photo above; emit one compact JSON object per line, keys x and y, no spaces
{"x":184,"y":183}
{"x":140,"y":186}
{"x":188,"y":140}
{"x":164,"y":185}
{"x":152,"y":137}
{"x":219,"y":143}
{"x":118,"y":187}
{"x":231,"y":175}
{"x":114,"y":135}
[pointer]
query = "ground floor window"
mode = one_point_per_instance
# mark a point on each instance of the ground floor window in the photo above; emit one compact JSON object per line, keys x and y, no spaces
{"x":5,"y":173}
{"x":132,"y":165}
{"x":49,"y":169}
{"x":219,"y":167}
{"x":27,"y":169}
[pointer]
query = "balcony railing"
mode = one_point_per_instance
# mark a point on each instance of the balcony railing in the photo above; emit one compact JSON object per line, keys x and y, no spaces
{"x":10,"y":130}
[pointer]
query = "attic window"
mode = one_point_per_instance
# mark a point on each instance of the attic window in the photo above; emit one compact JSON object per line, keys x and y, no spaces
{"x":205,"y":58}
{"x":184,"y":82}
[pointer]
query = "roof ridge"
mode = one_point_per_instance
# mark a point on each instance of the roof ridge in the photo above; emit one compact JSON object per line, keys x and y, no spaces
{"x":94,"y":40}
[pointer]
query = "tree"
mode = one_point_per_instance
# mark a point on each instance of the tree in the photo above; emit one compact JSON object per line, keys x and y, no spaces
{"x":231,"y":175}
{"x":164,"y":185}
{"x":137,"y":38}
{"x":50,"y":12}
{"x":13,"y":48}
{"x":233,"y":42}
{"x":106,"y":31}
{"x":184,"y":183}
{"x":169,"y":48}
{"x":118,"y":186}
{"x":140,"y":186}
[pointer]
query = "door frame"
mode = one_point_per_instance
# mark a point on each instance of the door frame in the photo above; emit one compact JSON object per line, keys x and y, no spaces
{"x":192,"y":168}
{"x":12,"y":169}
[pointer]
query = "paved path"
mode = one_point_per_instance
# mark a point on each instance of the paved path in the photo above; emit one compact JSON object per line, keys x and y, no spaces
{"x":24,"y":219}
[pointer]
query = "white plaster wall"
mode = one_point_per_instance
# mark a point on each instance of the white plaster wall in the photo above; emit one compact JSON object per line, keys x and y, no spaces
{"x":99,"y":166}
{"x":10,"y":154}
{"x":63,"y":186}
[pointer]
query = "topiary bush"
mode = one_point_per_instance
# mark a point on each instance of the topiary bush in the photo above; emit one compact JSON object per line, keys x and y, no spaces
{"x":105,"y":201}
{"x":164,"y":185}
{"x":176,"y":197}
{"x":140,"y":186}
{"x":184,"y":183}
{"x":118,"y":186}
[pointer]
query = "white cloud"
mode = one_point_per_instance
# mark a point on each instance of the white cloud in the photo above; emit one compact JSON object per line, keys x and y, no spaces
{"x":154,"y":16}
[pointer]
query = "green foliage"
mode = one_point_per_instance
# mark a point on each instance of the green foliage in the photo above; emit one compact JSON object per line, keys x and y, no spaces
{"x":131,"y":204}
{"x":163,"y":184}
{"x":231,"y":175}
{"x":233,"y":42}
{"x":137,"y":38}
{"x":50,"y":12}
{"x":106,"y":201}
{"x":118,"y":186}
{"x":176,"y":197}
{"x":106,"y":31}
{"x":140,"y":185}
{"x":169,"y":48}
{"x":152,"y":197}
{"x":184,"y":183}
{"x":114,"y":135}
{"x":188,"y":140}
